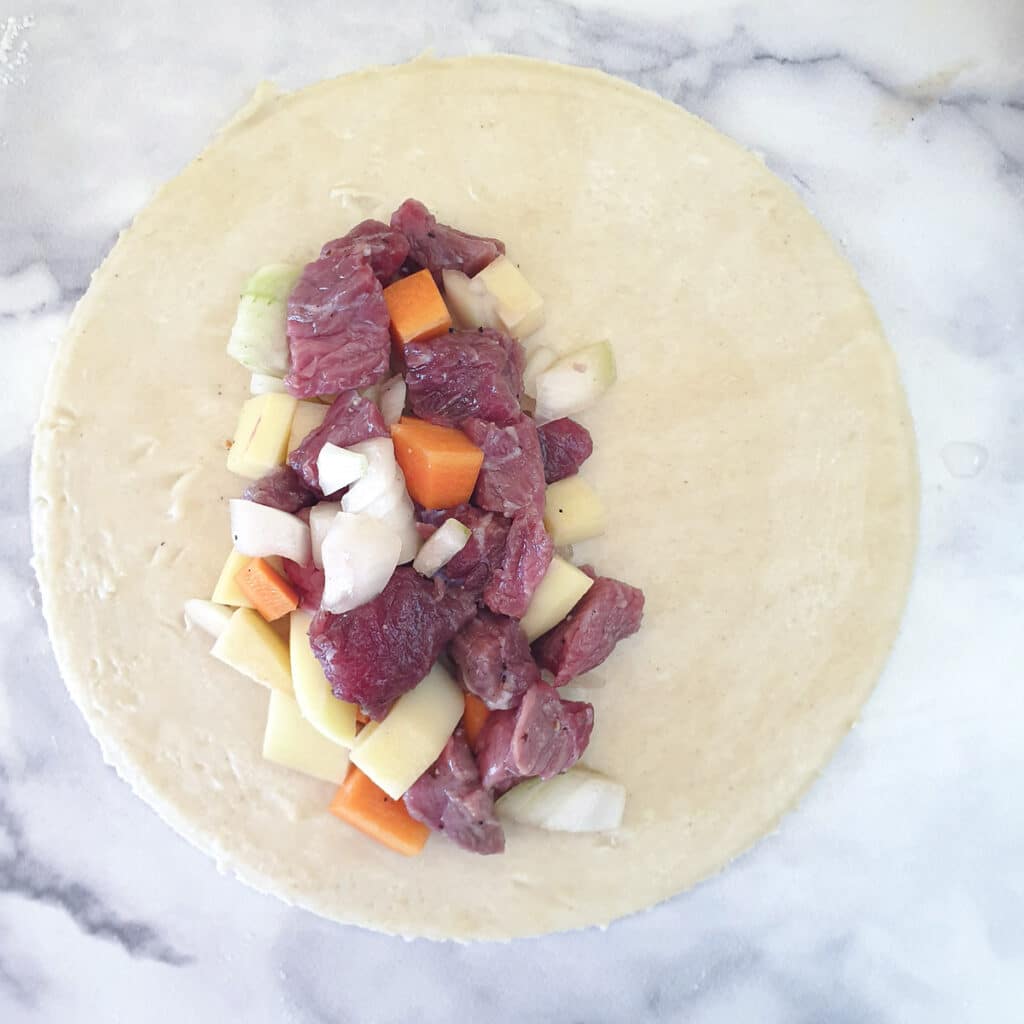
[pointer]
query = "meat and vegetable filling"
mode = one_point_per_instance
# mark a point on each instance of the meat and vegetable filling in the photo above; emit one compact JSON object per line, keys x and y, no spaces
{"x":415,"y":484}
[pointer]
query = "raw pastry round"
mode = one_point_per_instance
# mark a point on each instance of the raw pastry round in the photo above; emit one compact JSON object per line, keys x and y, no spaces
{"x":756,"y":457}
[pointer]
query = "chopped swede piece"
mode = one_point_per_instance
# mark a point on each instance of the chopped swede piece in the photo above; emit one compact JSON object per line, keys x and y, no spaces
{"x":261,"y":437}
{"x":380,"y":475}
{"x":396,"y":752}
{"x":259,"y":339}
{"x":441,"y":547}
{"x":575,"y":382}
{"x":265,"y":384}
{"x":259,"y":530}
{"x":338,"y":467}
{"x":469,"y":301}
{"x":308,"y":416}
{"x":359,"y":555}
{"x":572,"y":511}
{"x":519,"y":308}
{"x":392,"y":400}
{"x":556,"y":595}
{"x":320,"y":518}
{"x":333,"y":718}
{"x":578,"y":801}
{"x":540,"y":359}
{"x":290,"y":741}
{"x":250,"y":645}
{"x":209,"y":617}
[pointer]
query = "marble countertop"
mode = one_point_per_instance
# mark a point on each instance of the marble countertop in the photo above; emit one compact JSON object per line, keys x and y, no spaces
{"x":896,"y":892}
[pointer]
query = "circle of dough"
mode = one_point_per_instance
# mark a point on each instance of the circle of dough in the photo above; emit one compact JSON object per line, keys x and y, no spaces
{"x":756,"y":458}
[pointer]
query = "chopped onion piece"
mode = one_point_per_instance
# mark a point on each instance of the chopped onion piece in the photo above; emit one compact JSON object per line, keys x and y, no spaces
{"x":259,"y":531}
{"x":575,"y":382}
{"x":441,"y":547}
{"x":401,"y":518}
{"x":578,"y":801}
{"x":359,"y":555}
{"x":209,"y":617}
{"x":392,"y":400}
{"x":386,"y":501}
{"x":470,"y":302}
{"x":320,"y":519}
{"x":339,"y":467}
{"x":378,"y":478}
{"x":540,"y":359}
{"x":265,"y":384}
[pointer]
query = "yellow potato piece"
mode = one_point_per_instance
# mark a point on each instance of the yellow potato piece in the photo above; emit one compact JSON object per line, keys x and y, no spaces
{"x":396,"y":752}
{"x":308,"y":416}
{"x":333,"y":718}
{"x":520,"y":308}
{"x":227,"y":590}
{"x":250,"y":645}
{"x":290,"y":741}
{"x":559,"y":592}
{"x":572,"y":511}
{"x":261,"y":438}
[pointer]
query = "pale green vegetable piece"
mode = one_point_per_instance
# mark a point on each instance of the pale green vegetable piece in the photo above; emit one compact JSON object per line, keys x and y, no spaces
{"x":259,"y":339}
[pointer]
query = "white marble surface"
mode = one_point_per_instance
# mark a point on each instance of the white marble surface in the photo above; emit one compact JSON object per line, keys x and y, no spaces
{"x":896,"y":892}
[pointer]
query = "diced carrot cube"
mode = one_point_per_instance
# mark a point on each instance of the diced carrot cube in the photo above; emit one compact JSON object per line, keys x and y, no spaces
{"x":270,"y":593}
{"x":440,"y":464}
{"x":473,"y":718}
{"x":417,"y":308}
{"x":366,"y":806}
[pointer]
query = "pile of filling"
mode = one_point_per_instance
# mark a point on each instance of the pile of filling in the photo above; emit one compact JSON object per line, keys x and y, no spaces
{"x":401,"y":575}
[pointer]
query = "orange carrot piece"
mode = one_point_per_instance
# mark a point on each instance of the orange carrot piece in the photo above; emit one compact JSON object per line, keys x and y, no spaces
{"x":473,"y":718}
{"x":417,"y":309}
{"x":368,"y":808}
{"x":270,"y":593}
{"x":440,"y":464}
{"x":361,"y":718}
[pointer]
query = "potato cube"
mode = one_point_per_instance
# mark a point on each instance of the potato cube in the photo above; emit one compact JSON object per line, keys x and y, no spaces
{"x":261,"y":439}
{"x":290,"y":741}
{"x":558,"y":593}
{"x":519,"y":307}
{"x":250,"y":645}
{"x":572,"y":511}
{"x":396,"y":752}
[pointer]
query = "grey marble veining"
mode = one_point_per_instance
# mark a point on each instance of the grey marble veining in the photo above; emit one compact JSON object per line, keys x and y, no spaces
{"x":896,"y":892}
